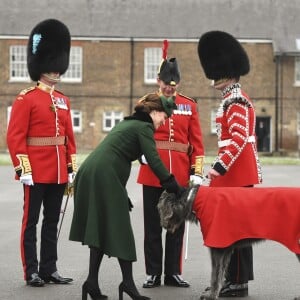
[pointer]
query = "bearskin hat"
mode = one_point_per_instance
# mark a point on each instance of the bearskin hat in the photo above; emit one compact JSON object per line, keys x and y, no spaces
{"x":222,"y":56}
{"x":48,"y":48}
{"x":168,"y":71}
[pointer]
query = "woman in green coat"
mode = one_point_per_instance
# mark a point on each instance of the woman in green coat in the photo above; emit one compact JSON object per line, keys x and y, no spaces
{"x":101,"y":205}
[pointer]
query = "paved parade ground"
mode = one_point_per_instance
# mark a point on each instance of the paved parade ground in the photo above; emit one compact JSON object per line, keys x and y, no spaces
{"x":276,"y":270}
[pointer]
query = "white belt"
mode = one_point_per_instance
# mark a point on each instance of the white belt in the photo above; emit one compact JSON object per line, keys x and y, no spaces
{"x":224,"y":143}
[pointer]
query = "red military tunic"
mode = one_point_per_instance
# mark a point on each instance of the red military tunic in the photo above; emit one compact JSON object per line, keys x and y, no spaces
{"x":182,"y":127}
{"x":36,"y":114}
{"x":229,"y":214}
{"x":237,"y":158}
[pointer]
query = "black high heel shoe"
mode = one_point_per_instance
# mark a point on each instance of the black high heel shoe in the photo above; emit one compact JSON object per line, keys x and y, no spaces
{"x":125,"y":289}
{"x":94,"y":293}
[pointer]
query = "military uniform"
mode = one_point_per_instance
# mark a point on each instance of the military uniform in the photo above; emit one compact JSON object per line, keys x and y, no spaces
{"x":179,"y":144}
{"x":235,"y":122}
{"x":224,"y":60}
{"x":41,"y":143}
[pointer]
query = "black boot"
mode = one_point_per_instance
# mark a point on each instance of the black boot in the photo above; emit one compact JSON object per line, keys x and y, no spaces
{"x":94,"y":293}
{"x":127,"y":285}
{"x":91,"y":285}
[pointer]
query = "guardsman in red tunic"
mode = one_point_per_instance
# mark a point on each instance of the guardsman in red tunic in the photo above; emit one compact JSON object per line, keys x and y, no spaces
{"x":41,"y":143}
{"x":224,"y":61}
{"x":179,"y":143}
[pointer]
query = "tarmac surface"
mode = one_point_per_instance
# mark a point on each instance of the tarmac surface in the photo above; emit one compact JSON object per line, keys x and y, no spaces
{"x":276,"y":270}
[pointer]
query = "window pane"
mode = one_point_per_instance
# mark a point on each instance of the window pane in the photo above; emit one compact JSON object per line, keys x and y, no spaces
{"x":74,"y":72}
{"x":108,"y":123}
{"x":18,"y":63}
{"x":152,"y":60}
{"x":110,"y":119}
{"x":76,"y":120}
{"x":297,"y":70}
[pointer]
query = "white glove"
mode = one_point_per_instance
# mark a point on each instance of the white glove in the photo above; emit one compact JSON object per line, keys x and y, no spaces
{"x":196,"y":180}
{"x":71,"y":177}
{"x":144,"y":160}
{"x":26,"y":179}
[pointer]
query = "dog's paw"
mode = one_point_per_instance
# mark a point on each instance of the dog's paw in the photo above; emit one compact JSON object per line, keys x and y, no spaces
{"x":207,"y":295}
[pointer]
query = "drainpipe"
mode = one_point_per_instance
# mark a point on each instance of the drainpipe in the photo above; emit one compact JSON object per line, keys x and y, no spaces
{"x":280,"y":99}
{"x":277,"y":61}
{"x":131,"y":75}
{"x":278,"y":102}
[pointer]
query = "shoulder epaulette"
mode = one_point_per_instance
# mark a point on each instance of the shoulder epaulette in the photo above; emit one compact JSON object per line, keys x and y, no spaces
{"x":26,"y":91}
{"x":59,"y":92}
{"x":242,"y":100}
{"x":188,"y":98}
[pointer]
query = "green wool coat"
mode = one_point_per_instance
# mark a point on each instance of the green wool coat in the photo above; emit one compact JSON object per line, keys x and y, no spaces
{"x":101,"y":211}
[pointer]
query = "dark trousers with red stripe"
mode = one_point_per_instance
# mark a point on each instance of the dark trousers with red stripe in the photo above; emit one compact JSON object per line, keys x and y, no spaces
{"x":240,"y":269}
{"x":153,"y":248}
{"x":50,"y":195}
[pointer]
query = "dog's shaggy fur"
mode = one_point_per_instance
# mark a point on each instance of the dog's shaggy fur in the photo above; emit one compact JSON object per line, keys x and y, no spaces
{"x":174,"y":210}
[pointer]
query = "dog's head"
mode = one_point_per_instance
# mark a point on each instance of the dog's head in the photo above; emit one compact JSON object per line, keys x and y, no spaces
{"x":174,"y":210}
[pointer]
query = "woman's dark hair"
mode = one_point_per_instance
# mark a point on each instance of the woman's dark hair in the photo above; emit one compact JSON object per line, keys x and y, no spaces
{"x":156,"y":102}
{"x":149,"y":103}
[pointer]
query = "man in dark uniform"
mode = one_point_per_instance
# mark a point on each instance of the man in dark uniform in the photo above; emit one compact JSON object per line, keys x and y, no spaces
{"x":179,"y":144}
{"x":41,"y":143}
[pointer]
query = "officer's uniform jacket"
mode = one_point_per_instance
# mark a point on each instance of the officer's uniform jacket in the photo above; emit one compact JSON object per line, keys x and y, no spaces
{"x":40,"y":136}
{"x":179,"y":143}
{"x":237,"y":157}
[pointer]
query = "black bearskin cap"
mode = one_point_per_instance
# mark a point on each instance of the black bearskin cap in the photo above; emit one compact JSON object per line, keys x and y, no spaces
{"x":222,"y":56}
{"x":48,"y":48}
{"x":169,"y":71}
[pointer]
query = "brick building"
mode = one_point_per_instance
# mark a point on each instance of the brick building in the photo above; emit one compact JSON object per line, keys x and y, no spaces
{"x":116,"y":50}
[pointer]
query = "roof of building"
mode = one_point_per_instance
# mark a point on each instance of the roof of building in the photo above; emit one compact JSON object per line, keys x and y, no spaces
{"x":275,"y":20}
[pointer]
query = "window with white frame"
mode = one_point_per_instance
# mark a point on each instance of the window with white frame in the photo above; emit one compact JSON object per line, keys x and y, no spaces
{"x":152,"y":60}
{"x":110,"y":119}
{"x":213,"y":113}
{"x":18,"y":64}
{"x":74,"y":72}
{"x":297,"y":70}
{"x":76,"y":120}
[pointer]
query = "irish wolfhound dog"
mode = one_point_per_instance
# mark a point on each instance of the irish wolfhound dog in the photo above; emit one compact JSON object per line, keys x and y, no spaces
{"x":259,"y":213}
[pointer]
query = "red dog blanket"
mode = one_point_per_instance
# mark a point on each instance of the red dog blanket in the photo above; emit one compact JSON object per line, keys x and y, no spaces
{"x":229,"y":214}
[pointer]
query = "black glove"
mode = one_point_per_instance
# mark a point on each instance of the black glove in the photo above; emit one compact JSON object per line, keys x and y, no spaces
{"x":170,"y":185}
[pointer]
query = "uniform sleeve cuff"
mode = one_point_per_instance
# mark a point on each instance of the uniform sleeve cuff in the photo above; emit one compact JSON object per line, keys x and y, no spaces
{"x":219,"y":168}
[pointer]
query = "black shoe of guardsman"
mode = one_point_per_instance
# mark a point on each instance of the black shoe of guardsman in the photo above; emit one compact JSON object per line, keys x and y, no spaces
{"x":176,"y":280}
{"x":234,"y":290}
{"x":152,"y":281}
{"x":35,"y":280}
{"x":56,"y":278}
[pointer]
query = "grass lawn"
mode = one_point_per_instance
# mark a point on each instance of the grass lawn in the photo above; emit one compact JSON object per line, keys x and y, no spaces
{"x":265,"y":160}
